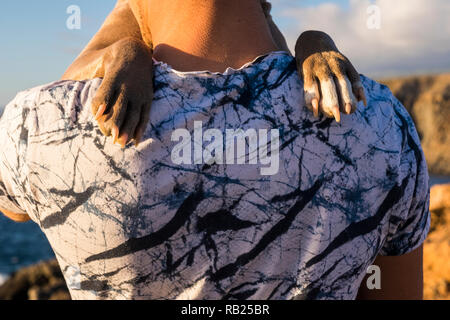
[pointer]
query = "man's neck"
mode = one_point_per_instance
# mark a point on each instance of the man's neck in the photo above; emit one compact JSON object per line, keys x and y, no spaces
{"x":208,"y":34}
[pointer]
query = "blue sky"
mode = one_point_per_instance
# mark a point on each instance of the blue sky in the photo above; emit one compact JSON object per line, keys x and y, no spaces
{"x":37,"y":47}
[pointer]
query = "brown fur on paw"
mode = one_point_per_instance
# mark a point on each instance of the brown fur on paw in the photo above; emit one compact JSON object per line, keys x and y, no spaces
{"x":328,"y":76}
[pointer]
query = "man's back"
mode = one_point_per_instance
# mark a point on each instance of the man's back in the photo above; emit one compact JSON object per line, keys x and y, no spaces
{"x":304,"y":220}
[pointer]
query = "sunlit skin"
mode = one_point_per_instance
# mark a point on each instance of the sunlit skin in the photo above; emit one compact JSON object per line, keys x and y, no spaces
{"x":15,"y":216}
{"x":401,"y":278}
{"x":215,"y":34}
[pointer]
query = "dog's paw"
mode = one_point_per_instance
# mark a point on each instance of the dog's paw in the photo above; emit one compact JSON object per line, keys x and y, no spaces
{"x":331,"y":83}
{"x":122,"y":103}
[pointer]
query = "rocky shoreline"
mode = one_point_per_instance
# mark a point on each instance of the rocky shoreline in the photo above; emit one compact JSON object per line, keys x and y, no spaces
{"x":427,"y":99}
{"x":437,"y":246}
{"x":43,"y":281}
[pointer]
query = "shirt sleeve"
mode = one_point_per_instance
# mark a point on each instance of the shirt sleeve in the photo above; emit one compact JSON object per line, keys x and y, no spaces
{"x":409,"y":222}
{"x":8,"y":202}
{"x":13,"y":170}
{"x":56,"y":105}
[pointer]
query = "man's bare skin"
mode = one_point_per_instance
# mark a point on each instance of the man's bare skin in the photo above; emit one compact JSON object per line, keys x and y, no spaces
{"x":122,"y":49}
{"x":16,"y":217}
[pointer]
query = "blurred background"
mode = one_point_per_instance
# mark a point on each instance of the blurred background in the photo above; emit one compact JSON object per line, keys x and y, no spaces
{"x":404,"y":44}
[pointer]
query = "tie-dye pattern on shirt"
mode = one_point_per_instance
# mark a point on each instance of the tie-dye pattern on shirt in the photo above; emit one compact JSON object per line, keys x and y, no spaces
{"x":129,"y":224}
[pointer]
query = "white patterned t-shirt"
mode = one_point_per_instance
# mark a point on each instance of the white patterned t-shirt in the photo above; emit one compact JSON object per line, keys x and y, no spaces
{"x":301,"y":212}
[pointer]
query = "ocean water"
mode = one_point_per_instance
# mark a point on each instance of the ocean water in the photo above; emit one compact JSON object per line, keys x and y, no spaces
{"x":21,"y":244}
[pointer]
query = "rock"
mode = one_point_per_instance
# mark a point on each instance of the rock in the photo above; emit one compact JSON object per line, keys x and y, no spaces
{"x":437,"y":246}
{"x":440,"y":197}
{"x":436,"y":265}
{"x":43,"y":281}
{"x":427,"y":98}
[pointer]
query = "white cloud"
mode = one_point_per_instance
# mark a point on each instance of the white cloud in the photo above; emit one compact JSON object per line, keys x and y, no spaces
{"x":414,"y":36}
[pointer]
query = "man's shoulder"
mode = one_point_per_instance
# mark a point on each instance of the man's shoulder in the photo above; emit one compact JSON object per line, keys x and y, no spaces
{"x":379,"y":97}
{"x":382,"y":94}
{"x":385,"y":113}
{"x":59,"y":91}
{"x":380,"y":134}
{"x":393,"y":129}
{"x":41,"y":105}
{"x":375,"y":87}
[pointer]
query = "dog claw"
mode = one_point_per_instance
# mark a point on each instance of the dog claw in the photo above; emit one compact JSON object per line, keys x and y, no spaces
{"x":315,"y":105}
{"x":115,"y":134}
{"x":138,"y":138}
{"x":100,"y":111}
{"x":336,"y":113}
{"x":123,"y":140}
{"x":362,"y":96}
{"x":348,"y":108}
